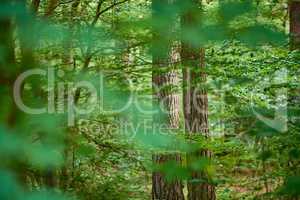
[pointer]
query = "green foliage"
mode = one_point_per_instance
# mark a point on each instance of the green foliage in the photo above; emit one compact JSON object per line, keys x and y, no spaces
{"x":106,"y":153}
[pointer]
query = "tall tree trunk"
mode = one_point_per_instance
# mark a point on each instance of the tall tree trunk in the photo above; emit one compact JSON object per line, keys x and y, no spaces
{"x":7,"y":61}
{"x":294,"y":12}
{"x":9,"y":71}
{"x":195,"y":103}
{"x":7,"y":64}
{"x":294,"y":94}
{"x":164,"y":78}
{"x":68,"y":63}
{"x":294,"y":21}
{"x":161,"y":188}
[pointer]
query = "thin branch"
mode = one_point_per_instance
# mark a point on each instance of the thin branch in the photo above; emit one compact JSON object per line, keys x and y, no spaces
{"x":66,"y":2}
{"x":100,"y":2}
{"x":99,"y":13}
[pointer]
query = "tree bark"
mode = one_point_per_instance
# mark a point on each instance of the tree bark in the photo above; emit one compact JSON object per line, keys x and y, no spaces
{"x":164,"y":78}
{"x":195,"y":103}
{"x":52,"y":5}
{"x":294,"y":13}
{"x":8,"y":62}
{"x":294,"y":21}
{"x":161,"y":188}
{"x":294,"y":97}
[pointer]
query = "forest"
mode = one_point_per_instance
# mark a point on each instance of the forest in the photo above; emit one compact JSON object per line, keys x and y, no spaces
{"x":149,"y":99}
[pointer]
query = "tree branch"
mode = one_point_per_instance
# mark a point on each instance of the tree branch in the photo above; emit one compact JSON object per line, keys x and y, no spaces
{"x":99,"y":13}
